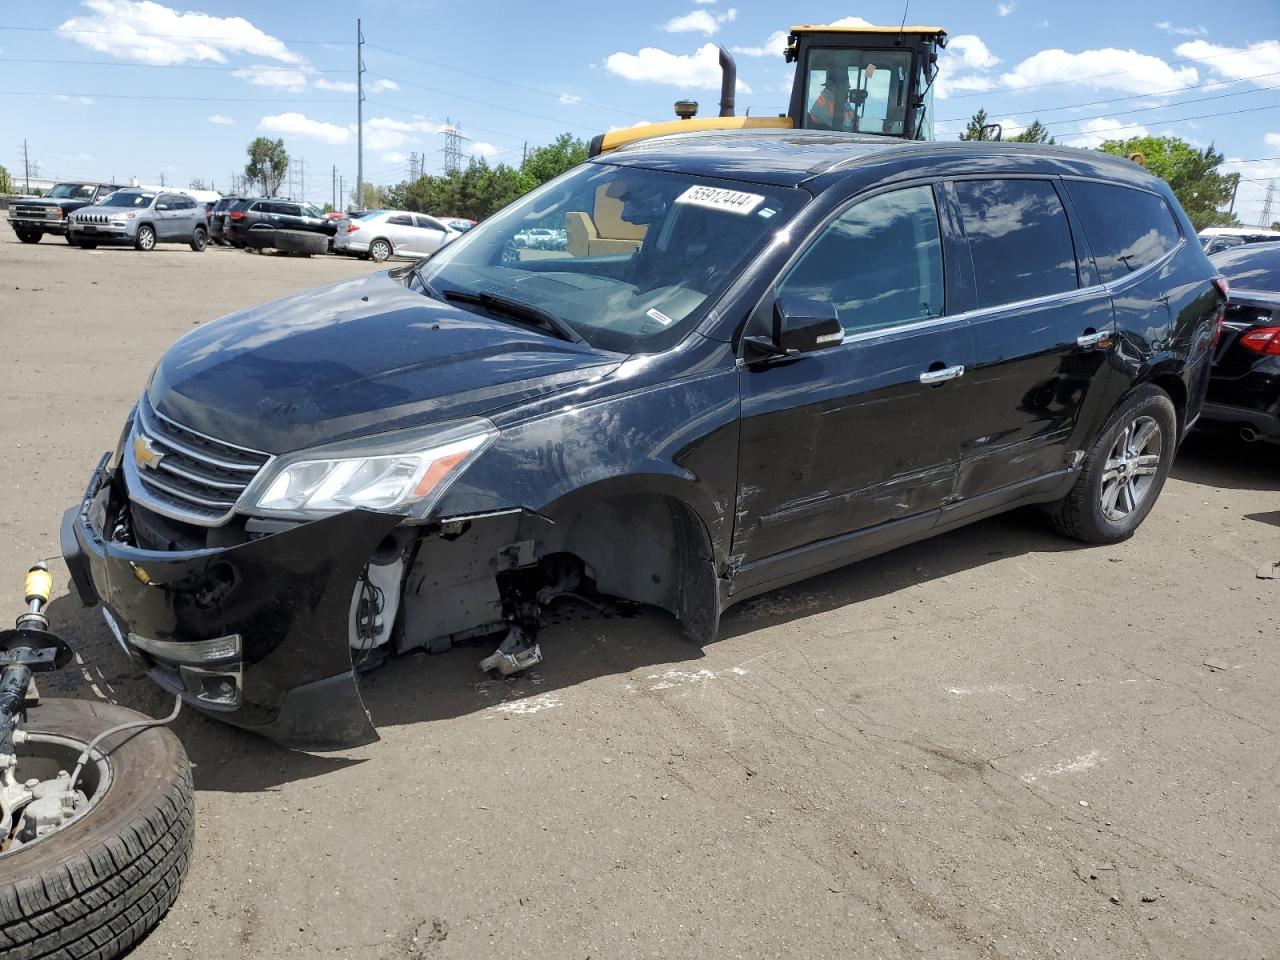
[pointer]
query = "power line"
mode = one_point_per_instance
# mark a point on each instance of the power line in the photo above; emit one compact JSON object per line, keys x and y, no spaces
{"x":140,"y":96}
{"x":170,"y":36}
{"x":491,"y":104}
{"x":1113,"y":73}
{"x":1200,"y":116}
{"x":1140,"y":96}
{"x":492,"y":79}
{"x":164,"y":66}
{"x":1164,"y":106}
{"x":419,"y":115}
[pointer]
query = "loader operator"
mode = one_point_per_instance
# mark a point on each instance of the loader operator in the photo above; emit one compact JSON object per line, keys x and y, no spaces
{"x":832,"y":110}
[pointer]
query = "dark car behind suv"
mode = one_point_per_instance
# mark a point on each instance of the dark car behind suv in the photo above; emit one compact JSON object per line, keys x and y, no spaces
{"x":271,"y":222}
{"x":795,"y":351}
{"x":1245,"y":388}
{"x":218,"y":219}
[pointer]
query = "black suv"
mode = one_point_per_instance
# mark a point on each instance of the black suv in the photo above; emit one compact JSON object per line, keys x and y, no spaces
{"x":218,"y":219}
{"x":285,"y":224}
{"x":761,"y":356}
{"x":33,"y":217}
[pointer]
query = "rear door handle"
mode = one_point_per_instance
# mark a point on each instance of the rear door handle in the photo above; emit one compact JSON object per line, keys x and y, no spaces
{"x":943,"y":375}
{"x":1098,"y":338}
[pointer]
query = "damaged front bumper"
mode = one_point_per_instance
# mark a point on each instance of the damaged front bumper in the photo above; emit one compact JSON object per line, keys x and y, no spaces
{"x":256,"y":633}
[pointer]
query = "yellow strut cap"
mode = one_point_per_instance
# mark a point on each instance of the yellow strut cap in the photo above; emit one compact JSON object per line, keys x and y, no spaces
{"x":39,"y":583}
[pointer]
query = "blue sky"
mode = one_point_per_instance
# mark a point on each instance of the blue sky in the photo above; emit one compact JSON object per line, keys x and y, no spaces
{"x":119,"y":88}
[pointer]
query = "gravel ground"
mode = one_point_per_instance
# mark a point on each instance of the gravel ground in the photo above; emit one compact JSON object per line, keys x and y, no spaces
{"x":993,"y":744}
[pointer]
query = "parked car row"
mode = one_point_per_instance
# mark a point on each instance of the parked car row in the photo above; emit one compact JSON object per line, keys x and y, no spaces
{"x":89,"y":214}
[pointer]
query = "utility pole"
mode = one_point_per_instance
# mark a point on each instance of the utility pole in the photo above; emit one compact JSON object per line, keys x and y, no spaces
{"x":342,"y":192}
{"x":333,"y":176}
{"x":26,"y":165}
{"x":302,"y":179}
{"x":1235,"y":185}
{"x":162,"y":183}
{"x":359,"y":117}
{"x":524,"y":154}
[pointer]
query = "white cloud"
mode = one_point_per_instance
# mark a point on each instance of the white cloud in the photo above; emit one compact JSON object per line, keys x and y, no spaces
{"x":1004,"y":9}
{"x":773,"y":46}
{"x":153,"y":33}
{"x":570,"y":98}
{"x":347,"y":86}
{"x":482,"y":150}
{"x":1107,"y":68}
{"x":65,"y":98}
{"x":278,"y":78}
{"x":1093,"y":132}
{"x":700,"y":69}
{"x":1272,"y":139}
{"x":1168,"y":27}
{"x":704,"y":2}
{"x":851,"y":22}
{"x":700,"y":21}
{"x":971,"y":52}
{"x":300,"y":125}
{"x":394,"y":157}
{"x":1236,"y":63}
{"x":387,"y":133}
{"x":221,"y":120}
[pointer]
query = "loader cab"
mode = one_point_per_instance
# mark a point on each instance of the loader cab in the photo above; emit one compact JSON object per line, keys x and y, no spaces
{"x":875,"y":80}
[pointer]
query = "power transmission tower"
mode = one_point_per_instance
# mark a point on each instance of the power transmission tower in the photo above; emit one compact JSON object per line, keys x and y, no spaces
{"x":452,"y":146}
{"x":359,"y":117}
{"x":415,"y":166}
{"x":1266,"y":204}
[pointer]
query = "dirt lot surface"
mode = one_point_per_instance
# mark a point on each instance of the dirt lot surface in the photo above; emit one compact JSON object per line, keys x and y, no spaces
{"x":992,"y":744}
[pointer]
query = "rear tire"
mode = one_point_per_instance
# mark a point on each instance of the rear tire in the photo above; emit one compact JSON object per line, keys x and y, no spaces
{"x":1124,"y":472}
{"x":199,"y":239}
{"x":100,"y":884}
{"x":29,"y":236}
{"x":380,"y":250}
{"x":145,"y":239}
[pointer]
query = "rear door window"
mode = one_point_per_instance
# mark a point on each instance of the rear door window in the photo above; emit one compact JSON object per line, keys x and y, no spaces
{"x":879,"y":262}
{"x":399,"y":220}
{"x":426,"y":223}
{"x":1019,"y":239}
{"x":1127,"y":229}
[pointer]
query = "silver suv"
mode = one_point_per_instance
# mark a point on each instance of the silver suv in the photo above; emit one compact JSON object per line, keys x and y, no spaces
{"x":141,"y":218}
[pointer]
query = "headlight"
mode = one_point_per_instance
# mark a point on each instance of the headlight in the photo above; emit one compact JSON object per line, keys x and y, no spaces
{"x":402,"y":472}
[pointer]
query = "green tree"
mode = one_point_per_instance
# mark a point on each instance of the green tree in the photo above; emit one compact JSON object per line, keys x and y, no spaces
{"x":267,"y":164}
{"x":1036,"y":133}
{"x":1192,"y":175}
{"x":6,"y":183}
{"x":544,"y":163}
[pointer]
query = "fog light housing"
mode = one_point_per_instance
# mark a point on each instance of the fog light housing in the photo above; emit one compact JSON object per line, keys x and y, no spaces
{"x":194,"y":652}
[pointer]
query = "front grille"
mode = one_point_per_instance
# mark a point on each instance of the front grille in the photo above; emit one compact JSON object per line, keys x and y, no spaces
{"x":25,"y":211}
{"x":93,"y":218}
{"x":189,"y":477}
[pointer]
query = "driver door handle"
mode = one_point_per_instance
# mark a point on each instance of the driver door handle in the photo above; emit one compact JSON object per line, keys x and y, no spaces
{"x":1097,"y":338}
{"x":943,"y":375}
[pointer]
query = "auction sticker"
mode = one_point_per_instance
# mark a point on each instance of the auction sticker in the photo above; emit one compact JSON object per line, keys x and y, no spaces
{"x":718,"y":198}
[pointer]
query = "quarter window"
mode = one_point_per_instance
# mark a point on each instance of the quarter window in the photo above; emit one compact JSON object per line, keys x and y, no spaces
{"x":1019,"y":239}
{"x":1127,"y":229}
{"x":880,"y":262}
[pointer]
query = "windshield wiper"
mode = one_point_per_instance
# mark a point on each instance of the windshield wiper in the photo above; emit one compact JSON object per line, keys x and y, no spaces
{"x":421,"y":274}
{"x":520,"y":311}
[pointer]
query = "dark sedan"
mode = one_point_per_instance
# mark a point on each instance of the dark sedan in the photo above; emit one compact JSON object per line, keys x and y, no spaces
{"x":1244,"y":390}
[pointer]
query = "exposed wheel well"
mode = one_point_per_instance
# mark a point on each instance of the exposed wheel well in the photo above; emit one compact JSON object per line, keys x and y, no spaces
{"x":1177,"y":391}
{"x":649,"y":548}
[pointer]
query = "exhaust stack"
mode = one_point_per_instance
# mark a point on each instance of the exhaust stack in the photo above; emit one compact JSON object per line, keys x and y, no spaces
{"x":728,"y":82}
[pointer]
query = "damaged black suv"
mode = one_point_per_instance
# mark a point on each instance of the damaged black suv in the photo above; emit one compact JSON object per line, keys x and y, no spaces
{"x":759,"y":356}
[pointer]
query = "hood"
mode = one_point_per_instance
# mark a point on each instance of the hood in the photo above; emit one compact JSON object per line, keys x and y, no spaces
{"x":101,"y":207}
{"x":357,"y":357}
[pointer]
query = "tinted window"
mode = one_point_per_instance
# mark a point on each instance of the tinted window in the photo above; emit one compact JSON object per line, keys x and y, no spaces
{"x":1127,"y":229}
{"x":288,"y":209}
{"x":400,"y":221}
{"x":880,"y":262}
{"x":1254,"y":266}
{"x":1019,"y":239}
{"x":426,"y":223}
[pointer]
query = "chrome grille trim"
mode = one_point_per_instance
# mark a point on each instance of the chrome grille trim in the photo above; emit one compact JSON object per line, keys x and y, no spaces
{"x":33,"y":212}
{"x":198,"y":479}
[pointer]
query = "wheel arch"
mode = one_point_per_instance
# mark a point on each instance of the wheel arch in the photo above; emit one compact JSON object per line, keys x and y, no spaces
{"x":385,"y":240}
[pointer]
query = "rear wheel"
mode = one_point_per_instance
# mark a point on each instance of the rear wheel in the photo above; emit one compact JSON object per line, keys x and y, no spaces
{"x":199,"y":239}
{"x":1124,"y":472}
{"x":29,"y":236}
{"x":379,"y":250}
{"x":146,"y":237}
{"x":98,"y":884}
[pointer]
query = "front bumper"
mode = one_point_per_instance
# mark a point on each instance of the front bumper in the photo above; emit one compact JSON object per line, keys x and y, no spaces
{"x":44,"y":226}
{"x":287,"y":596}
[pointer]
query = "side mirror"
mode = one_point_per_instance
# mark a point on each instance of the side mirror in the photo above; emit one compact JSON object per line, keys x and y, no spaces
{"x":800,"y":326}
{"x":162,"y":206}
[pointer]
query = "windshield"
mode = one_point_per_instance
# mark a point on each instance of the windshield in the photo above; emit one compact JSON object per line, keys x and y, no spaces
{"x":629,"y":258}
{"x":857,"y":91}
{"x":127,"y":198}
{"x":72,"y":191}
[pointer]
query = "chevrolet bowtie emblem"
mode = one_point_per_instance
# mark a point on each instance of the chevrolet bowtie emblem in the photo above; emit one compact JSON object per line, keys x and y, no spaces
{"x":144,"y":454}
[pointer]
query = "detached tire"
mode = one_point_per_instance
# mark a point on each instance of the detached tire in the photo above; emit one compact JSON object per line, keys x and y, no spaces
{"x":1123,"y":472}
{"x":100,"y":884}
{"x":300,"y":241}
{"x":259,"y":239}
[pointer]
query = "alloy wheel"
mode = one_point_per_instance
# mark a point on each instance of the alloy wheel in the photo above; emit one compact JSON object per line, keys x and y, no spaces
{"x":146,"y":238}
{"x":1131,"y":468}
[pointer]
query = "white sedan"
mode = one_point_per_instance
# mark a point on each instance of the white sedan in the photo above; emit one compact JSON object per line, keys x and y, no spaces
{"x":381,"y":234}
